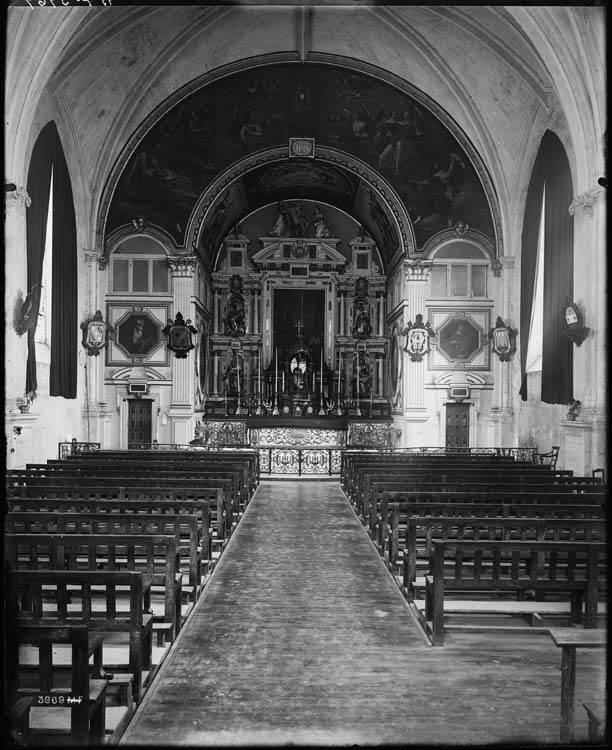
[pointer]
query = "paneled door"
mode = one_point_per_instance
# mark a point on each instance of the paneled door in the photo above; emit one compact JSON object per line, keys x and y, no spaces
{"x":457,"y":425}
{"x":139,"y":420}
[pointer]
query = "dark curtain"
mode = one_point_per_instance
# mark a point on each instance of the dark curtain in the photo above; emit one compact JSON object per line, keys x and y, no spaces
{"x":529,"y":258}
{"x":557,"y":353}
{"x":39,"y":181}
{"x":48,"y":157}
{"x":64,"y":343}
{"x":551,"y":171}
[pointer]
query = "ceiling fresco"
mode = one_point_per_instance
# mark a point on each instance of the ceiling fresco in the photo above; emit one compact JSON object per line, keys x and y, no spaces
{"x":260,"y":108}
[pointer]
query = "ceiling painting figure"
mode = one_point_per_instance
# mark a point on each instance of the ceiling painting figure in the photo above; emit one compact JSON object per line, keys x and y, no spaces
{"x":243,"y":113}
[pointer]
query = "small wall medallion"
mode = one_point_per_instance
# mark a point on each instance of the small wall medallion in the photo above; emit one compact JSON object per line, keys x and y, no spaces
{"x":418,"y":338}
{"x":573,"y":322}
{"x":179,"y":333}
{"x":503,"y":340}
{"x":96,"y":333}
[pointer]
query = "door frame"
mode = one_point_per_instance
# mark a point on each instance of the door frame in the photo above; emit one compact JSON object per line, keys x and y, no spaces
{"x":471,"y":418}
{"x":124,"y":417}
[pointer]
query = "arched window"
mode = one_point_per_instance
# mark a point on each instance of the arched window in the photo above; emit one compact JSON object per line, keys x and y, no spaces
{"x":48,"y":176}
{"x":139,"y":266}
{"x":459,"y":271}
{"x":547,"y":258}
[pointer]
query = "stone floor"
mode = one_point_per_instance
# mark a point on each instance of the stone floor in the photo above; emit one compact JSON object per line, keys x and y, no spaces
{"x":302,"y":637}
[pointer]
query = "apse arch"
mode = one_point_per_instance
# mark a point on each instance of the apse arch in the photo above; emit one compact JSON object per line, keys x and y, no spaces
{"x":257,"y":104}
{"x":375,"y":195}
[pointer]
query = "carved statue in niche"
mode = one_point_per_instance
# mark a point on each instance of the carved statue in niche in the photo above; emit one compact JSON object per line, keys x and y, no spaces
{"x":362,"y":328}
{"x":233,"y":375}
{"x":363,"y":381}
{"x":321,"y":228}
{"x":299,"y":225}
{"x":235,"y":320}
{"x":281,"y":225}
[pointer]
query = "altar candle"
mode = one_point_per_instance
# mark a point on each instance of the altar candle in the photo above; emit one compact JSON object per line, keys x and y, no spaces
{"x":313,"y":382}
{"x":283,"y":382}
{"x":339,"y":368}
{"x":238,"y":372}
{"x":357,"y":377}
{"x":259,"y":374}
{"x":276,"y":371}
{"x":321,"y":375}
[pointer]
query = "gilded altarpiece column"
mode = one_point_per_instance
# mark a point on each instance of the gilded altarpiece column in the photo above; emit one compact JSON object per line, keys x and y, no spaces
{"x":183,"y":385}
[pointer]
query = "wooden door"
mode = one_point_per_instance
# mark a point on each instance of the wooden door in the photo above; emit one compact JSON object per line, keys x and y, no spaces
{"x":457,"y":425}
{"x":139,"y":421}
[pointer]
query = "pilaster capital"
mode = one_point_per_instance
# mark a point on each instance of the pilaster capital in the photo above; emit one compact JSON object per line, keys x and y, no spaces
{"x":500,"y":264}
{"x":17,"y":198}
{"x":583,"y":205}
{"x":182,"y":266}
{"x":92,"y":257}
{"x":417,"y":270}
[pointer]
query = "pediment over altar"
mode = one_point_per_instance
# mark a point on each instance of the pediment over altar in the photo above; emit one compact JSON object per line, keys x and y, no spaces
{"x":282,"y":250}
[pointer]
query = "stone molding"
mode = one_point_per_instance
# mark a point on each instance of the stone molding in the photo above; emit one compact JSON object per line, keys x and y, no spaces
{"x":499,"y":264}
{"x":417,"y":270}
{"x":583,"y":205}
{"x":18,"y":198}
{"x":182,"y":266}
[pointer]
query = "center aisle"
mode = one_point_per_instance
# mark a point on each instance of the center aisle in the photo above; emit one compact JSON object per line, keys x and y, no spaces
{"x":301,"y":636}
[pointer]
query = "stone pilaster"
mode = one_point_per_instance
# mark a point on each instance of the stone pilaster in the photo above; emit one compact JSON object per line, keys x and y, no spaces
{"x":416,"y":276}
{"x":183,"y":378}
{"x":590,"y":359}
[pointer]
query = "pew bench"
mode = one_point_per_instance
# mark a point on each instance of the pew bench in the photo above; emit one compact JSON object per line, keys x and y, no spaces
{"x":422,"y":532}
{"x":568,"y":570}
{"x":392,"y":527}
{"x":111,"y":603}
{"x":577,"y":491}
{"x":154,"y":555}
{"x":207,"y":505}
{"x":193,"y":557}
{"x":72,"y":712}
{"x":568,"y":640}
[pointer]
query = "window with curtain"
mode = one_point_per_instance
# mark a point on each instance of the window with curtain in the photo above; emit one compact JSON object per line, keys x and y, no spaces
{"x":50,"y":189}
{"x":547,"y":273}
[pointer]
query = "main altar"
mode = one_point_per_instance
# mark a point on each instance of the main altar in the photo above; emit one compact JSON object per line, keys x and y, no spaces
{"x":297,"y":348}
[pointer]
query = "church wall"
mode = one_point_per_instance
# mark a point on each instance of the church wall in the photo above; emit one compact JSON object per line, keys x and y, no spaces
{"x":50,"y":420}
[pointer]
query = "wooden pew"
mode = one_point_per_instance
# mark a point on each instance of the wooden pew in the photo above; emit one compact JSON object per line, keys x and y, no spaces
{"x":570,"y":639}
{"x":66,"y":714}
{"x":134,"y":486}
{"x":128,"y":507}
{"x":244,"y":458}
{"x":450,"y":472}
{"x":423,"y":532}
{"x":184,"y":527}
{"x":394,"y":538}
{"x":155,"y":556}
{"x":214,"y":511}
{"x":563,"y":568}
{"x":91,"y":598}
{"x":498,"y":494}
{"x":352,"y":460}
{"x":124,"y":474}
{"x":578,"y":486}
